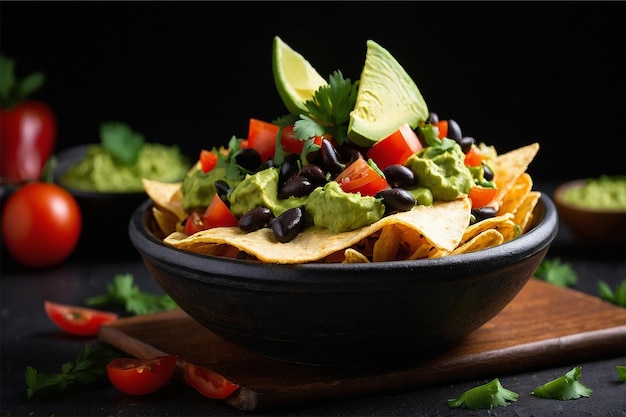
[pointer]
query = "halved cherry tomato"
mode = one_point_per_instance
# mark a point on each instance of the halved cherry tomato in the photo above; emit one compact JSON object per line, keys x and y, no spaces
{"x":474,"y":157}
{"x":359,"y":176}
{"x":207,"y":382}
{"x":481,"y":196}
{"x":442,"y":126}
{"x":141,"y":376}
{"x":79,"y":321}
{"x":395,"y":148}
{"x":218,"y":214}
{"x":194,"y":223}
{"x":262,"y":137}
{"x":208,"y":160}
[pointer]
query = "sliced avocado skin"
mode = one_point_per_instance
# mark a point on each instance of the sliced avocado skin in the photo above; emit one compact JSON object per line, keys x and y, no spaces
{"x":387,"y":95}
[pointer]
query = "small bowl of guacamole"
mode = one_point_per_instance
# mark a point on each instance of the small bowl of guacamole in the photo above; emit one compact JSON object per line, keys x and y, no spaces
{"x":594,"y":209}
{"x":106,"y":180}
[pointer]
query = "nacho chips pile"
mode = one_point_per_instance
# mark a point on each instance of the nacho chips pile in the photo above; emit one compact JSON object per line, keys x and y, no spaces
{"x":442,"y":229}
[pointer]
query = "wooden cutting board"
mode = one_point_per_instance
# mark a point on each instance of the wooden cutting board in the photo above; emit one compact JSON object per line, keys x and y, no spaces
{"x":544,"y":326}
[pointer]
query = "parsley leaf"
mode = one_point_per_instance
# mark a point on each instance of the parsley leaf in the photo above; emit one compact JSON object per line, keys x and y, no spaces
{"x":617,"y":297}
{"x":486,"y":396}
{"x":122,"y":291}
{"x":119,"y":140}
{"x":557,"y":273}
{"x":565,"y":387}
{"x":88,"y":369}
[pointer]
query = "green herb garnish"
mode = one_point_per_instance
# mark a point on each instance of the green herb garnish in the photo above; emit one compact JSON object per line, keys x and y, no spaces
{"x":88,"y":369}
{"x":119,"y":140}
{"x":487,"y":396}
{"x":556,"y":273}
{"x":621,"y":372}
{"x":123,"y":292}
{"x":617,"y":297}
{"x":565,"y":387}
{"x":14,"y":90}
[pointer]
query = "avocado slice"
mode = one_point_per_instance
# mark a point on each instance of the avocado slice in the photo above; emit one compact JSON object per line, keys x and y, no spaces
{"x":387,"y":98}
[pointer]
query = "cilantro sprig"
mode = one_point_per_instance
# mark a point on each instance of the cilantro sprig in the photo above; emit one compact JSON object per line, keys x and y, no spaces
{"x":119,"y":140}
{"x":556,"y":272}
{"x":13,"y":89}
{"x":87,"y":370}
{"x":566,"y":387}
{"x":123,"y":292}
{"x":617,"y":297}
{"x":486,"y":396}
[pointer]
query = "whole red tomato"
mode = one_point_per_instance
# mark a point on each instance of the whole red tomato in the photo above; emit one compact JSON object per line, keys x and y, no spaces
{"x":41,"y":224}
{"x":27,"y":139}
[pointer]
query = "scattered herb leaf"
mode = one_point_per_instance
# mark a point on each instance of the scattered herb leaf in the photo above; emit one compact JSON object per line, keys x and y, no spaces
{"x":486,"y":396}
{"x":88,"y":369}
{"x":119,"y":140}
{"x":617,"y":297}
{"x":565,"y":387}
{"x":123,"y":292}
{"x":621,"y":372}
{"x":557,"y":273}
{"x":14,"y":90}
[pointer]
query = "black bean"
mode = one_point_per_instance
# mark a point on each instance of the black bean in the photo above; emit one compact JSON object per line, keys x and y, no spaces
{"x":396,"y":199}
{"x":289,"y":224}
{"x":399,"y":176}
{"x":433,"y":118}
{"x":288,"y":168}
{"x":487,"y":173}
{"x":298,"y":186}
{"x":484,"y":213}
{"x":255,"y":219}
{"x":330,"y":157}
{"x":314,"y":173}
{"x":222,"y":187}
{"x":466,"y":143}
{"x":454,"y":130}
{"x":248,"y":158}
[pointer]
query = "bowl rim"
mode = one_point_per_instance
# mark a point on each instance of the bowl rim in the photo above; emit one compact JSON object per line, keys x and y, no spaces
{"x":577,"y":183}
{"x":538,"y":238}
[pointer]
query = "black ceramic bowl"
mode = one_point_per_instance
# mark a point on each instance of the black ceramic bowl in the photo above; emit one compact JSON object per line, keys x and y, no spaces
{"x":346,"y":314}
{"x":105,"y":216}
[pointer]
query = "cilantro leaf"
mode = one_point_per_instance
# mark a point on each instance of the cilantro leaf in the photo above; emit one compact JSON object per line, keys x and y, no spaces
{"x":621,"y":372}
{"x":557,"y":273}
{"x":119,"y":140}
{"x":14,"y":90}
{"x":123,"y":292}
{"x":617,"y":297}
{"x":486,"y":396}
{"x":88,"y":369}
{"x":565,"y":387}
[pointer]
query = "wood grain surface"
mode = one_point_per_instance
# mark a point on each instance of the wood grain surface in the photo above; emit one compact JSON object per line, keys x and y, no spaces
{"x":544,"y":326}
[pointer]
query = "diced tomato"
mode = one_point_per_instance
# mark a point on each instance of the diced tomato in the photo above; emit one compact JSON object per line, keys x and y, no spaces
{"x":481,"y":196}
{"x":208,"y":160}
{"x":141,"y":376}
{"x":474,"y":157}
{"x":291,"y":144}
{"x":262,"y":137}
{"x":442,"y":126}
{"x":218,"y":214}
{"x":396,"y":148}
{"x":194,"y":223}
{"x":207,"y":382}
{"x":79,"y":321}
{"x":359,"y":176}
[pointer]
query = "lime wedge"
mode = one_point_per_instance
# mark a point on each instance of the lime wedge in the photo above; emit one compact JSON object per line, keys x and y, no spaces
{"x":295,"y":78}
{"x":386,"y":99}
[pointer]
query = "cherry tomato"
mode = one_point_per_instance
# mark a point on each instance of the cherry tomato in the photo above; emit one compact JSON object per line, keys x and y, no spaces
{"x":207,"y":382}
{"x":442,"y":127}
{"x":141,"y":376}
{"x":208,"y":160}
{"x":359,"y":176}
{"x":41,"y":224}
{"x":194,"y":223}
{"x":474,"y":157}
{"x":27,"y":139}
{"x":218,"y":214}
{"x":481,"y":196}
{"x":262,"y":137}
{"x":396,"y":148}
{"x":79,"y":321}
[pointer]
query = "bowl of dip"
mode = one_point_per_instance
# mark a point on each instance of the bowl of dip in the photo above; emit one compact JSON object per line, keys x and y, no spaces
{"x":107,"y":193}
{"x":594,"y":209}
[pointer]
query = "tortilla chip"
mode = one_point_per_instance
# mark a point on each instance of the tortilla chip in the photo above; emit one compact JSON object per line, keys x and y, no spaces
{"x":315,"y":243}
{"x":166,"y":196}
{"x":524,"y":213}
{"x":484,"y":240}
{"x":508,"y":168}
{"x":516,"y":194}
{"x":386,"y":247}
{"x":353,"y":256}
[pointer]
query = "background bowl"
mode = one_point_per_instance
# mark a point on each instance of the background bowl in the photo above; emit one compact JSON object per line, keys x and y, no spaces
{"x":105,"y":216}
{"x":345,"y":314}
{"x":593,"y":226}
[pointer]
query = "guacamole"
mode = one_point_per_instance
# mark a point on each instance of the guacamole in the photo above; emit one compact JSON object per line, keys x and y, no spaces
{"x":604,"y":193}
{"x":100,"y":172}
{"x":199,"y":187}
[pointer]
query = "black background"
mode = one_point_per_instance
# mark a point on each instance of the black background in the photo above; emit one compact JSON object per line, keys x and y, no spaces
{"x":193,"y":73}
